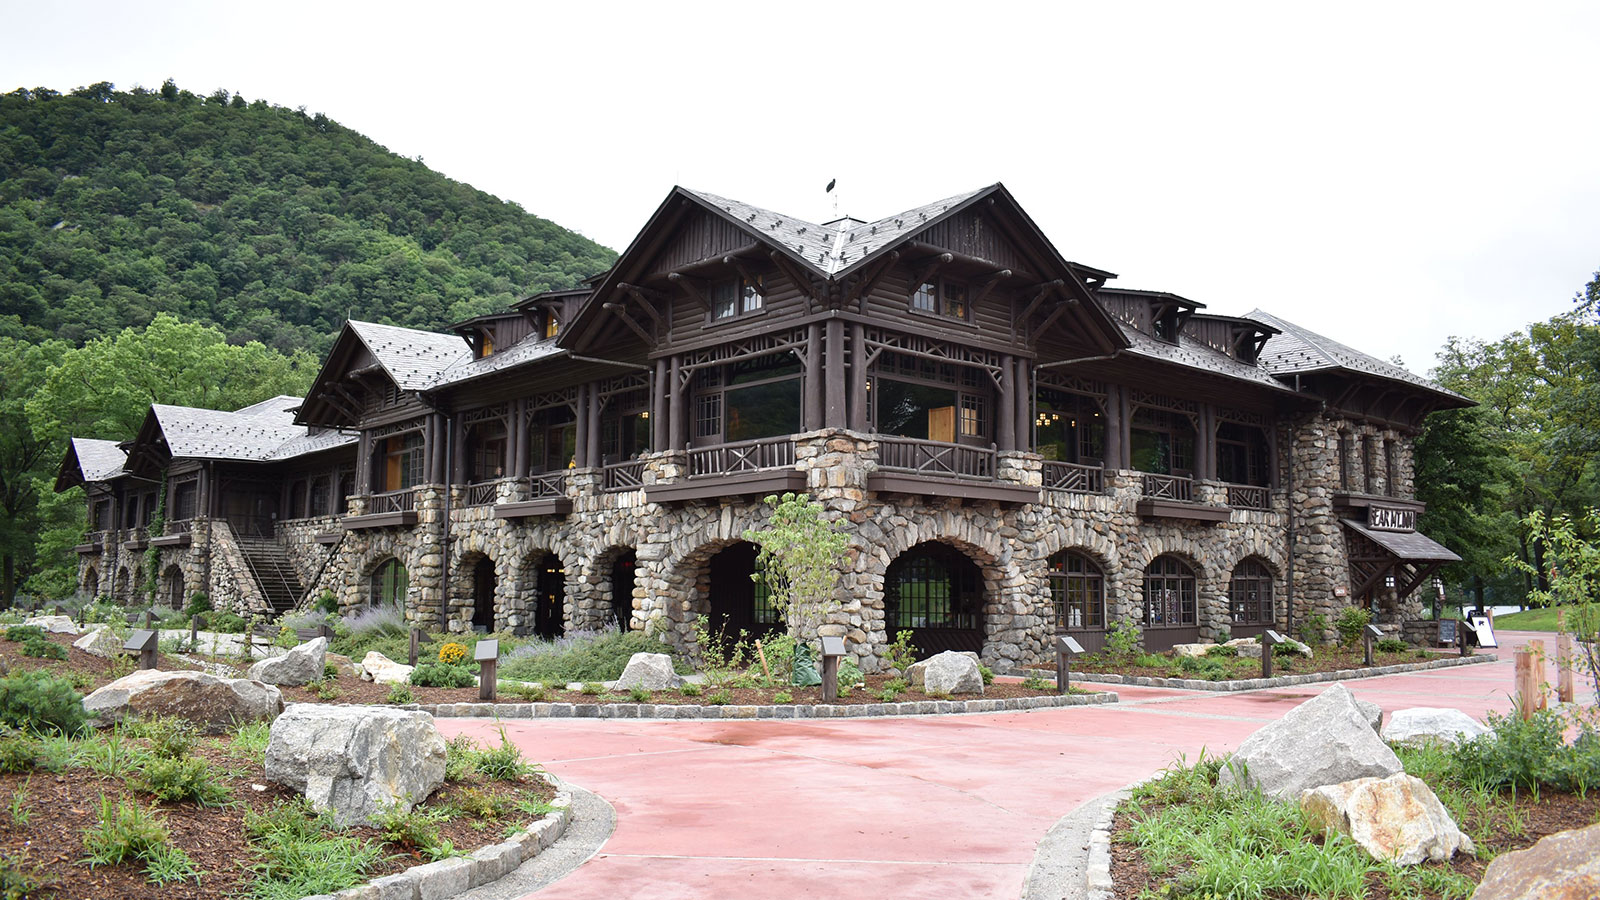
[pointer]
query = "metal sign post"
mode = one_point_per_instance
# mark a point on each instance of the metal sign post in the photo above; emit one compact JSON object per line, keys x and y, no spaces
{"x":487,"y":655}
{"x":1269,"y":642}
{"x":1368,"y":635}
{"x":1066,"y":648}
{"x":832,"y":649}
{"x":143,"y":642}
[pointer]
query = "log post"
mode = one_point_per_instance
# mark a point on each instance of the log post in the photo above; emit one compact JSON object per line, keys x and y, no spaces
{"x":1526,"y":687}
{"x":1564,"y":688}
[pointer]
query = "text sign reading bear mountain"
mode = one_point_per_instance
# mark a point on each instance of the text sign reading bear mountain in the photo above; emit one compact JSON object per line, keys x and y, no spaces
{"x":1391,"y":518}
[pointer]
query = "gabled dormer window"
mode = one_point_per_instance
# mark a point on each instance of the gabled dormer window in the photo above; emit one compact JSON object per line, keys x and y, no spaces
{"x":484,"y":345}
{"x":737,"y":297}
{"x":552,"y":325}
{"x":942,"y":297}
{"x":1167,"y":323}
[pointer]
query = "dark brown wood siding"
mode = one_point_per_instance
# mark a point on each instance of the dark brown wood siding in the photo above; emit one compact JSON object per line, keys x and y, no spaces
{"x":974,"y":234}
{"x":699,"y":238}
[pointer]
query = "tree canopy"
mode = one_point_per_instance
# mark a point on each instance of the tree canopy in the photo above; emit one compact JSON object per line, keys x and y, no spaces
{"x":273,"y":224}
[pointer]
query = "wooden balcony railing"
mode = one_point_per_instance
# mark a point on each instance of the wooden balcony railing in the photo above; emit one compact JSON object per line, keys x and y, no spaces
{"x":623,"y":476}
{"x":543,"y":485}
{"x":482,"y":493}
{"x":1168,"y":487}
{"x":935,"y":458}
{"x":1249,"y":496}
{"x":744,"y":456}
{"x":392,"y":502}
{"x":1073,"y":477}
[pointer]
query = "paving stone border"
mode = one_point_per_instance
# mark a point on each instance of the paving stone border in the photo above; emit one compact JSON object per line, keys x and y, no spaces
{"x":785,"y":711}
{"x":1255,"y":684}
{"x":458,"y":874}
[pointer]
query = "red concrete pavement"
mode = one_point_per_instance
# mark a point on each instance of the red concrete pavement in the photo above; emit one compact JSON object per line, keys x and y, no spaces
{"x":935,"y":807}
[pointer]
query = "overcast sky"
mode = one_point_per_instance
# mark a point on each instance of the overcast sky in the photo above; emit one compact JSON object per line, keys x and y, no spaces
{"x":1387,"y":174}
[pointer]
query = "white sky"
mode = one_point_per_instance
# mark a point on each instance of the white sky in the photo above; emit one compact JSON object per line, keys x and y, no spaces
{"x":1387,"y":174}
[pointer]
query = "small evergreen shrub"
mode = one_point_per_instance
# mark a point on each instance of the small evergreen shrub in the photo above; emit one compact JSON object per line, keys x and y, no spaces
{"x":1124,"y":638}
{"x":1035,"y":683}
{"x":639,"y":695}
{"x":18,"y":754}
{"x":24,"y":633}
{"x":41,"y":703}
{"x":1392,"y":645}
{"x":43,"y":649}
{"x":399,"y":693}
{"x":173,"y":780}
{"x":720,"y":698}
{"x":1350,"y":622}
{"x":783,"y":697}
{"x":690,"y":689}
{"x":441,"y":675}
{"x":1221,"y":651}
{"x":986,"y":673}
{"x":1313,"y":630}
{"x":199,"y":604}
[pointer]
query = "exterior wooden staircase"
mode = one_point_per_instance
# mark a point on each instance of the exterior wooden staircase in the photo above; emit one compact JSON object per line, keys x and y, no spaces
{"x":274,"y":574}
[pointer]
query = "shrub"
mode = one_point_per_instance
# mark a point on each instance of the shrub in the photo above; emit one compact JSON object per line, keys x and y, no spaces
{"x":441,"y":675}
{"x":199,"y":604}
{"x":849,"y":673}
{"x":326,"y":603}
{"x":41,"y":703}
{"x":1035,"y":683}
{"x":18,"y":754}
{"x":1392,"y":645}
{"x":1221,"y":651}
{"x":690,"y":689}
{"x":294,"y":858}
{"x":104,"y":611}
{"x":460,"y":757}
{"x":16,"y":882}
{"x":592,"y":688}
{"x":639,"y":695}
{"x":783,"y":697}
{"x":900,"y":655}
{"x":1349,"y":623}
{"x":502,"y":763}
{"x":123,"y":832}
{"x":720,"y":698}
{"x":533,"y":693}
{"x":24,"y":633}
{"x":183,"y":779}
{"x":888,"y":694}
{"x":328,"y":689}
{"x":416,"y":830}
{"x":1124,"y":638}
{"x":986,"y":673}
{"x":1314,"y":630}
{"x":43,"y":649}
{"x":169,"y":736}
{"x":452,"y":653}
{"x":581,"y":656}
{"x":399,"y":693}
{"x":227,"y":623}
{"x":1533,"y":753}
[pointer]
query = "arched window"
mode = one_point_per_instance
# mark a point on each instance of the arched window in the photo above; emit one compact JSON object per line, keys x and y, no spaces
{"x":1077,"y":591}
{"x":1250,"y":594}
{"x":389,"y":584}
{"x":934,"y":591}
{"x":1169,"y":594}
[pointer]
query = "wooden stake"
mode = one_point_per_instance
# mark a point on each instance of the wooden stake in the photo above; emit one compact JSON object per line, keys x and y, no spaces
{"x":1541,"y":682}
{"x":1524,"y":683}
{"x":765,"y":672}
{"x":1564,"y":690}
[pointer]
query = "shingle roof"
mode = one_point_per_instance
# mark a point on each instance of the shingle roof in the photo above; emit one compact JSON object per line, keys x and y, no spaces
{"x":413,"y":358}
{"x":524,"y":351}
{"x":97,"y":459}
{"x":1195,"y":355}
{"x":835,"y":246}
{"x":259,"y":433}
{"x":1298,"y":350}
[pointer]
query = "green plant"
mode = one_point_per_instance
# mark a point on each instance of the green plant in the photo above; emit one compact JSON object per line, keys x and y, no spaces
{"x":639,"y":695}
{"x":504,"y":762}
{"x":1349,"y":623}
{"x":453,"y":653}
{"x":798,"y":560}
{"x":849,"y":672}
{"x":533,"y":693}
{"x":1532,"y":753}
{"x":690,"y":689}
{"x":20,"y":813}
{"x":250,"y":741}
{"x":441,"y":675}
{"x":1313,"y":630}
{"x":783,"y":697}
{"x":225,"y":622}
{"x":328,"y":689}
{"x":110,"y":755}
{"x":897,"y":685}
{"x":399,"y":693}
{"x":167,"y":864}
{"x":900,"y":655}
{"x":18,"y":753}
{"x":123,"y":832}
{"x":415,"y":829}
{"x":719,"y":698}
{"x":479,"y":803}
{"x":17,"y":883}
{"x":327,"y":603}
{"x":592,"y":688}
{"x":18,"y":633}
{"x":170,"y":737}
{"x":1123,"y":638}
{"x":1035,"y":683}
{"x":580,"y":657}
{"x":986,"y":673}
{"x":460,"y":757}
{"x":1391,"y":645}
{"x":174,"y":780}
{"x":43,"y":649}
{"x":41,"y":703}
{"x":295,"y":858}
{"x":329,"y":670}
{"x":1222,"y":651}
{"x":888,"y":694}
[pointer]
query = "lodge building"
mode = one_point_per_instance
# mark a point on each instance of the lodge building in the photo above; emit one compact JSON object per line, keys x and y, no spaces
{"x":1014,"y":446}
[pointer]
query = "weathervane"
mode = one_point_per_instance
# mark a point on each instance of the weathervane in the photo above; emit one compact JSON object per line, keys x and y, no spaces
{"x":829,"y":190}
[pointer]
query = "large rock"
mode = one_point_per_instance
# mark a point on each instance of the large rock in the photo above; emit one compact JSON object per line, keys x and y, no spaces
{"x":1374,"y":714}
{"x":1396,"y":818}
{"x":301,"y":665}
{"x":341,"y":664}
{"x":1193,"y":651}
{"x":914,"y":672}
{"x":651,"y":671}
{"x":950,"y":673}
{"x":1249,"y":647}
{"x":1325,"y":740}
{"x":381,"y":669}
{"x":54,"y":624}
{"x":102,"y":641}
{"x":1562,"y":866}
{"x":356,"y":761}
{"x":213,"y":703}
{"x":1424,"y":724}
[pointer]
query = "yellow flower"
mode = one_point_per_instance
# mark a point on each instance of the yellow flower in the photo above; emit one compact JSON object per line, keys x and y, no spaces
{"x":452,"y":653}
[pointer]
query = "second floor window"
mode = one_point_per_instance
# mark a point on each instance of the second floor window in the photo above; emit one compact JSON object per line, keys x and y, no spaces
{"x":942,"y":297}
{"x":736,"y":297}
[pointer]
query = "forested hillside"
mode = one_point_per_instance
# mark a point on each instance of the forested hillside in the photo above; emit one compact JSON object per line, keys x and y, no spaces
{"x":270,"y":223}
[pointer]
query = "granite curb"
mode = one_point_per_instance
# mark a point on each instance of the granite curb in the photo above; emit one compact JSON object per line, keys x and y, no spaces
{"x":1256,"y":684}
{"x":663,"y":711}
{"x":458,"y":874}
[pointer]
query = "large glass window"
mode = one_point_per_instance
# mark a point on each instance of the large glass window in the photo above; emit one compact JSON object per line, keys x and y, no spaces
{"x":552,"y":439}
{"x":184,"y":501}
{"x":1161,"y":442}
{"x":319,"y":496}
{"x":933,"y":586}
{"x":933,"y":401}
{"x":1169,"y":594}
{"x":1077,"y":591}
{"x":750,"y":399}
{"x":1242,"y":455}
{"x":1070,"y":428}
{"x":400,"y":460}
{"x":1250,"y":594}
{"x":389,"y":584}
{"x":486,"y":451}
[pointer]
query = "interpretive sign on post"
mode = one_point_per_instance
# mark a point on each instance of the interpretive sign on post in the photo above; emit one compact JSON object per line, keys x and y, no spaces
{"x":832,"y":650}
{"x":144,"y":643}
{"x":487,"y":655}
{"x":1066,"y":648}
{"x":1269,"y":641}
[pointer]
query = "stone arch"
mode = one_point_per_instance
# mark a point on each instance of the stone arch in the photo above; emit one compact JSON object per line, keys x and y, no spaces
{"x":938,"y":592}
{"x":678,"y":579}
{"x":172,"y":586}
{"x":385,"y":580}
{"x":1172,"y":611}
{"x":91,"y":582}
{"x":1078,"y":583}
{"x":690,"y":577}
{"x":120,"y":584}
{"x":476,"y":587}
{"x":613,"y":598}
{"x":542,"y":603}
{"x":1253,"y":593}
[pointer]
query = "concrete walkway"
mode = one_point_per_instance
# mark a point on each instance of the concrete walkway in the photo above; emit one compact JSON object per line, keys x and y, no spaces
{"x":934,"y":807}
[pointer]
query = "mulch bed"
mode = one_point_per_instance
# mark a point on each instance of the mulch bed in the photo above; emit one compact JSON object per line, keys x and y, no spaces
{"x":59,"y":806}
{"x":1553,"y":812}
{"x":1329,"y":658}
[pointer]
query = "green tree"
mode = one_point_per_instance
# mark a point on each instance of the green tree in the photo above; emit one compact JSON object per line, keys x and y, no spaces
{"x":1571,"y":549}
{"x":799,"y":556}
{"x":26,"y":456}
